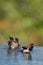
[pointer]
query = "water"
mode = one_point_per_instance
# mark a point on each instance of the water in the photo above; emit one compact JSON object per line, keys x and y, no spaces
{"x":18,"y":58}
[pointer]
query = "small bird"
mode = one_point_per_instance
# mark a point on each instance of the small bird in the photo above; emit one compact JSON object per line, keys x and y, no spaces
{"x":27,"y":49}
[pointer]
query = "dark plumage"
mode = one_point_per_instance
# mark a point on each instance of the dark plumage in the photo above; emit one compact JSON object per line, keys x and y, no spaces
{"x":30,"y":48}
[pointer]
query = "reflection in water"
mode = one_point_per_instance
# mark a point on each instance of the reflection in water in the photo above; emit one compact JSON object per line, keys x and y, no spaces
{"x":28,"y":56}
{"x":11,"y":57}
{"x":10,"y":51}
{"x":15,"y":53}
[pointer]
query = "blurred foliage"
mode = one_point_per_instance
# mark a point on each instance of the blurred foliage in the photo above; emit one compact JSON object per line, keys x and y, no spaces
{"x":23,"y":18}
{"x":22,"y":8}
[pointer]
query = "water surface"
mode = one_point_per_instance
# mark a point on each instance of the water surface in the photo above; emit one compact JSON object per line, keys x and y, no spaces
{"x":18,"y":58}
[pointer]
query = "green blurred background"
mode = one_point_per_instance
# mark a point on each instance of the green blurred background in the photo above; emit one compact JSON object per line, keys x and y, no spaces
{"x":22,"y":19}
